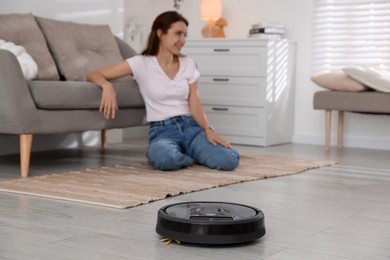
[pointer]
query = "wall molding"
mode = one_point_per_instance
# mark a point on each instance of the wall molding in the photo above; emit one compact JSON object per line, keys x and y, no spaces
{"x":349,"y":141}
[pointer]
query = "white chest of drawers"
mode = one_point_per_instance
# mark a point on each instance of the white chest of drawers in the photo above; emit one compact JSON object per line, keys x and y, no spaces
{"x":246,"y":88}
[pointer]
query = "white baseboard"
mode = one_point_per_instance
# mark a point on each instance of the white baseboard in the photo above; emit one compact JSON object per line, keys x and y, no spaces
{"x":352,"y":142}
{"x":114,"y":136}
{"x":134,"y":132}
{"x":10,"y":143}
{"x":93,"y":138}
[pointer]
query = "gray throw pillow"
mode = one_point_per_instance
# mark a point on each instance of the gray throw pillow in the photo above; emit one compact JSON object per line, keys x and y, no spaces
{"x":80,"y":48}
{"x":23,"y":30}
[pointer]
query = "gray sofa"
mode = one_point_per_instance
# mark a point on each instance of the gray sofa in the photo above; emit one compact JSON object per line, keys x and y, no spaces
{"x":63,"y":105}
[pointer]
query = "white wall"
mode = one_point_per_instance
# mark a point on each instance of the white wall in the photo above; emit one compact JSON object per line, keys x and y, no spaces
{"x":360,"y":130}
{"x":365,"y":131}
{"x":83,"y":11}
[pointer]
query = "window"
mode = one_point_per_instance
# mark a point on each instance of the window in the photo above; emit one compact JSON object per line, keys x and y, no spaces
{"x":350,"y":32}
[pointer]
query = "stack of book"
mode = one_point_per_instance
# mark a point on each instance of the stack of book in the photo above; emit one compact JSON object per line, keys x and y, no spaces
{"x":267,"y":30}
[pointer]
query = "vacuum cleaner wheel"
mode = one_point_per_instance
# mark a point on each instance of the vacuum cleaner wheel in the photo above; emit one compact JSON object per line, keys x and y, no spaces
{"x":210,"y":222}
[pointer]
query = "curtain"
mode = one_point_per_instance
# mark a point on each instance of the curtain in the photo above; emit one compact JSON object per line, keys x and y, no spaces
{"x":350,"y":32}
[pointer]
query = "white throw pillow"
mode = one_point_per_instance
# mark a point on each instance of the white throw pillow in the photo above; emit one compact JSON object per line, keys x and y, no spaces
{"x":375,"y":77}
{"x":338,"y":80}
{"x":27,"y":63}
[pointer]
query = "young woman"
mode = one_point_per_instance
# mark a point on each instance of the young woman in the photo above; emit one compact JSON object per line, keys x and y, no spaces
{"x":179,"y":133}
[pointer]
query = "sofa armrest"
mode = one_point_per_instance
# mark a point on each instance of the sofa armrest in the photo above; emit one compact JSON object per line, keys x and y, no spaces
{"x":16,"y":103}
{"x":125,"y":49}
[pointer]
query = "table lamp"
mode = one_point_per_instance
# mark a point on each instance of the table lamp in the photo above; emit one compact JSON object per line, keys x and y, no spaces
{"x":210,"y":11}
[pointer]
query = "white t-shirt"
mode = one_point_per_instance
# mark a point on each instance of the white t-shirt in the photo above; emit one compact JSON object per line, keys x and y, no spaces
{"x":163,"y":97}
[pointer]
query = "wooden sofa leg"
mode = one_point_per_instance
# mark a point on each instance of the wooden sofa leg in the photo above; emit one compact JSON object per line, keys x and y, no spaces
{"x":340,"y":130}
{"x":328,"y":117}
{"x":25,"y":152}
{"x":103,"y":138}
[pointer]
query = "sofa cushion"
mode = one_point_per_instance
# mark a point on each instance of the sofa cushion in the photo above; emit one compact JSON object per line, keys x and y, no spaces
{"x":80,"y":48}
{"x":375,"y":77}
{"x":23,"y":30}
{"x":71,"y":95}
{"x":338,"y":80}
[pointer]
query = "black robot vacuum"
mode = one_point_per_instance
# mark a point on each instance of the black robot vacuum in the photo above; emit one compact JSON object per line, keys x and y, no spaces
{"x":210,"y":222}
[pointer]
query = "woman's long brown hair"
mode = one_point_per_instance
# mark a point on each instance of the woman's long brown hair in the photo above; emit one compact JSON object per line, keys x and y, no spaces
{"x":162,"y":22}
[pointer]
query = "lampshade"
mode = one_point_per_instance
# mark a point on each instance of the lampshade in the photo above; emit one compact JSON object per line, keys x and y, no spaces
{"x":210,"y":9}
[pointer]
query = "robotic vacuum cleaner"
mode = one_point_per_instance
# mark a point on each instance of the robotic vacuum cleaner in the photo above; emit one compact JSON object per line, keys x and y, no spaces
{"x":211,"y":223}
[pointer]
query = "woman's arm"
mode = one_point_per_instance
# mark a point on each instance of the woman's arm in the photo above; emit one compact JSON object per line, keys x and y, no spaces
{"x":201,"y":118}
{"x":108,"y":104}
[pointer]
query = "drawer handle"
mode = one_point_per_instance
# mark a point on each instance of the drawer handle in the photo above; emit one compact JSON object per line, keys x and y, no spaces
{"x":221,"y":50}
{"x":220,"y":80}
{"x":220,"y":109}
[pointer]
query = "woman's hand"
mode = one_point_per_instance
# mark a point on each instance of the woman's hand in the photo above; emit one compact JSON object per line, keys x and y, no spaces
{"x":215,"y":139}
{"x":201,"y":118}
{"x":108,"y":104}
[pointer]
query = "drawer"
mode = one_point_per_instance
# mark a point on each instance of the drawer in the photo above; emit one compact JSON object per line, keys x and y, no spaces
{"x":236,"y":91}
{"x":231,"y":61}
{"x":238,"y":121}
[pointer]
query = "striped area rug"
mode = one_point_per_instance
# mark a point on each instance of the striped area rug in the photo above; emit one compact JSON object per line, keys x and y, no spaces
{"x":125,"y":186}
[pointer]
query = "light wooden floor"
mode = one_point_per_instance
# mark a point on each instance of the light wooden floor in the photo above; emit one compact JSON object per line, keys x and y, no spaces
{"x":339,"y":212}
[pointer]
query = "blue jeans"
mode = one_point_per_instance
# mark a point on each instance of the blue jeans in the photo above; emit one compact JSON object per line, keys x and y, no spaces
{"x":177,"y":142}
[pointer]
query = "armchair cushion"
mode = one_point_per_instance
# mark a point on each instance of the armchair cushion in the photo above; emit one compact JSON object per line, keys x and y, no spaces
{"x":364,"y":102}
{"x":23,"y":30}
{"x":80,"y":48}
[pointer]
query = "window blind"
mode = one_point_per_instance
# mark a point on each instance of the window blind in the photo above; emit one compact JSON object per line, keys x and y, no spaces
{"x":350,"y":32}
